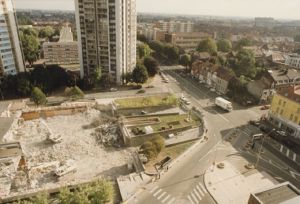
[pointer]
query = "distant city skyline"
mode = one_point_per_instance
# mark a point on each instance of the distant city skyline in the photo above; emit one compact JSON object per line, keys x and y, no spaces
{"x":288,"y":9}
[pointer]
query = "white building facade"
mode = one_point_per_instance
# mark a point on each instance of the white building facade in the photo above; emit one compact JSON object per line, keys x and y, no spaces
{"x":106,"y":36}
{"x":293,"y":61}
{"x":11,"y":60}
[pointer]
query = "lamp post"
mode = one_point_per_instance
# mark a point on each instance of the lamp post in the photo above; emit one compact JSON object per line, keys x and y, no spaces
{"x":261,"y":146}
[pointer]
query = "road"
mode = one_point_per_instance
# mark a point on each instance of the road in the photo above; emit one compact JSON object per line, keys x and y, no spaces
{"x":184,"y":183}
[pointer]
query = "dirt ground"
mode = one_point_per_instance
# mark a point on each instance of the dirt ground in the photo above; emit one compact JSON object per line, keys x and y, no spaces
{"x":78,"y":143}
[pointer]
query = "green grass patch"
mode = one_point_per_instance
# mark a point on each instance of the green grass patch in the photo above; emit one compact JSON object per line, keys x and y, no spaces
{"x":175,"y":151}
{"x":141,"y":102}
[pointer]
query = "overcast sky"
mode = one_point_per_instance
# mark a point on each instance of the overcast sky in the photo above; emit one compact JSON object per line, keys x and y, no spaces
{"x":289,"y":9}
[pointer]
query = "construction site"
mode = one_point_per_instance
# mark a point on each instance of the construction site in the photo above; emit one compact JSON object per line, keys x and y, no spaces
{"x":51,"y":147}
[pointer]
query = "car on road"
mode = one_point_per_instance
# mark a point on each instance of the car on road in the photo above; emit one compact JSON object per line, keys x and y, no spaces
{"x":254,"y":123}
{"x":113,"y":89}
{"x":265,"y":107}
{"x":187,"y":102}
{"x":143,"y":112}
{"x":265,"y":128}
{"x":281,"y":133}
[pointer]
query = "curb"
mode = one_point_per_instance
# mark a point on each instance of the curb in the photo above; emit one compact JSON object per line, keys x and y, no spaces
{"x":207,"y":188}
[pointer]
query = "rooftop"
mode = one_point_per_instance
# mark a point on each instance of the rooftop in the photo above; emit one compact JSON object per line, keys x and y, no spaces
{"x":278,"y":194}
{"x":284,"y":74}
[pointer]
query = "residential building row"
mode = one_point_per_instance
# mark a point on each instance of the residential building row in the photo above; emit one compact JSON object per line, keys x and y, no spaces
{"x":63,"y":52}
{"x":175,"y":26}
{"x":214,"y":76}
{"x":107,"y":36}
{"x":11,"y":56}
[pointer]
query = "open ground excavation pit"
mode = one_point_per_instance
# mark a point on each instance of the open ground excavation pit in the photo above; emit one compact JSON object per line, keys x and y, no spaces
{"x":78,"y":143}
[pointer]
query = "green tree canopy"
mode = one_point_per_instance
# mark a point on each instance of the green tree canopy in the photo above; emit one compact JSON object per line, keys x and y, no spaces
{"x":245,"y":64}
{"x":172,"y":53}
{"x":143,"y":50}
{"x":244,"y":42}
{"x":46,"y":32}
{"x":207,"y":45}
{"x":30,"y":45}
{"x":152,"y":66}
{"x":38,"y":97}
{"x":185,"y":60}
{"x":74,"y":92}
{"x":140,"y":74}
{"x":224,"y":45}
{"x":107,"y":80}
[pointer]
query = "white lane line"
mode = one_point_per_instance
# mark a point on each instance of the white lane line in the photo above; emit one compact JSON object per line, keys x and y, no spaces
{"x":157,"y":192}
{"x":165,"y":199}
{"x":161,"y":195}
{"x":281,"y":148}
{"x":171,"y":201}
{"x":287,"y":152}
{"x":197,"y":194}
{"x":202,"y":194}
{"x":202,"y":187}
{"x":293,"y":174}
{"x":194,"y":198}
{"x":294,"y":157}
{"x":190,"y":199}
{"x":153,"y":189}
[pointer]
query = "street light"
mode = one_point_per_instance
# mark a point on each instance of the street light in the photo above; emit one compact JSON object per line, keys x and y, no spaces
{"x":261,"y":146}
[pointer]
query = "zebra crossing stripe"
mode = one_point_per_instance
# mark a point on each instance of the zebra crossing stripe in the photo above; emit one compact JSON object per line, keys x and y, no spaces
{"x":153,"y":189}
{"x":165,"y":199}
{"x":171,"y":201}
{"x":190,"y":199}
{"x":197,"y":194}
{"x":202,"y":194}
{"x":194,"y":198}
{"x":157,"y":192}
{"x":202,"y":187}
{"x":161,"y":195}
{"x":293,"y":174}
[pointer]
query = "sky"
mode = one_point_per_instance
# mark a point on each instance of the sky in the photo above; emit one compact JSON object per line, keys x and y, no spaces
{"x":284,"y":9}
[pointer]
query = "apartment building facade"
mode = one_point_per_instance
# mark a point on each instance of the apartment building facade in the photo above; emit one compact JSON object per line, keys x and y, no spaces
{"x":293,"y":61}
{"x":175,"y":26}
{"x":11,"y":60}
{"x":285,"y":110}
{"x":106,"y":36}
{"x":63,"y":52}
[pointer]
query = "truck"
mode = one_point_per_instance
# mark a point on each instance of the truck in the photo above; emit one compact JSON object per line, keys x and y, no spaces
{"x":223,"y":103}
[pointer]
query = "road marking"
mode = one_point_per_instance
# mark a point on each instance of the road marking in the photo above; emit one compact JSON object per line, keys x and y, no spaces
{"x":165,"y":199}
{"x":194,"y":198}
{"x":294,"y":157}
{"x":190,"y":199}
{"x":197,"y":194}
{"x":157,"y":192}
{"x":293,"y":174}
{"x":153,"y":189}
{"x":171,"y":201}
{"x":203,"y":188}
{"x":281,"y":148}
{"x":161,"y":195}
{"x":202,"y":194}
{"x":287,"y":152}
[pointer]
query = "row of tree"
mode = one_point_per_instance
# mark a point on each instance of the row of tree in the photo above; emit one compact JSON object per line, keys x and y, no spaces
{"x":99,"y":192}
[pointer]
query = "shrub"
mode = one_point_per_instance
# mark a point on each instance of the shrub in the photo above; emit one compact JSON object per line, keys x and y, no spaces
{"x":38,"y":97}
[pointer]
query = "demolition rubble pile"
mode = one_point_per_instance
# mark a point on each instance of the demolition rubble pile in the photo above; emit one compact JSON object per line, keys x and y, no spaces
{"x":64,"y":149}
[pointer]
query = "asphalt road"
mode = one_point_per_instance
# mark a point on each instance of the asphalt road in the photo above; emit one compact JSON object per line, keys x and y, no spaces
{"x":183,"y":183}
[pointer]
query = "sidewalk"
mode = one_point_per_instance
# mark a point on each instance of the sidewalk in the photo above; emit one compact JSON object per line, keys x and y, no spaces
{"x":234,"y":183}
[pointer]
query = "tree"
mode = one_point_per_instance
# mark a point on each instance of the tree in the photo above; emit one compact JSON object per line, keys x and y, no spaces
{"x":38,"y":97}
{"x":224,"y":45}
{"x":245,"y":64}
{"x":159,"y":143}
{"x":74,"y":93}
{"x":41,"y":198}
{"x":152,"y":66}
{"x":23,"y":86}
{"x":46,"y":32}
{"x":101,"y":191}
{"x":140,"y":74}
{"x":95,"y":78}
{"x":107,"y":80}
{"x":143,"y":50}
{"x":185,"y":60}
{"x":207,"y":45}
{"x":149,"y":150}
{"x":31,"y":46}
{"x":142,"y":38}
{"x":243,"y":42}
{"x":172,"y":53}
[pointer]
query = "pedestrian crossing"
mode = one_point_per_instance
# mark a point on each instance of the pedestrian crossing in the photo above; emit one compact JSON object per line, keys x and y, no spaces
{"x":162,"y":195}
{"x":197,"y":194}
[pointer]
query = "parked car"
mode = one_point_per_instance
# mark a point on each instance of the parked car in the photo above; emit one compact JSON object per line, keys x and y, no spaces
{"x":265,"y":129}
{"x":143,"y":112}
{"x":113,"y":89}
{"x":265,"y":107}
{"x":187,"y":102}
{"x":254,"y":122}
